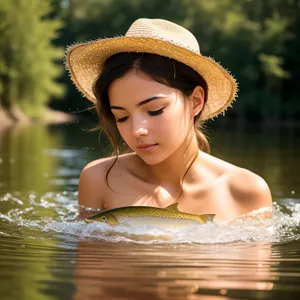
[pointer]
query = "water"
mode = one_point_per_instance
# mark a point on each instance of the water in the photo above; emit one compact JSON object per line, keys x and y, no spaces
{"x":45,"y":253}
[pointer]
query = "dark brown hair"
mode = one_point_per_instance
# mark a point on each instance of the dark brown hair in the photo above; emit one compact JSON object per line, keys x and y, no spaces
{"x":161,"y":69}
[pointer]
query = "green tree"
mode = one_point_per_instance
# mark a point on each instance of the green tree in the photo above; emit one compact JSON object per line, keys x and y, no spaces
{"x":28,"y":63}
{"x":258,"y":41}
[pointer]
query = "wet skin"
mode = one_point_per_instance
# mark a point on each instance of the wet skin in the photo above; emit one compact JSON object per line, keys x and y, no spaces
{"x":156,"y":122}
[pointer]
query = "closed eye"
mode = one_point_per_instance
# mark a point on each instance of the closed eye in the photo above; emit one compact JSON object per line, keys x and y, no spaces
{"x":150,"y":113}
{"x":121,"y":120}
{"x":156,"y":112}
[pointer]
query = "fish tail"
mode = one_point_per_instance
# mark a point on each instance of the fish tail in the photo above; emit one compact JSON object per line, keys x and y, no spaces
{"x":207,"y":218}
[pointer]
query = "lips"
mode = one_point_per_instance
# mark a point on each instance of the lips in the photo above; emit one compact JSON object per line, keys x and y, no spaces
{"x":146,"y":146}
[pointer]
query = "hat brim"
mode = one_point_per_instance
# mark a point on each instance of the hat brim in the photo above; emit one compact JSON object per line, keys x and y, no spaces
{"x":85,"y":62}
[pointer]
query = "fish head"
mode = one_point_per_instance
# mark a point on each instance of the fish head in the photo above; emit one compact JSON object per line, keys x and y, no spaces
{"x":104,"y":217}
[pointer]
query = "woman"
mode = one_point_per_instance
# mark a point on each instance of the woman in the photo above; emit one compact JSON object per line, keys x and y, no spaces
{"x":155,"y":89}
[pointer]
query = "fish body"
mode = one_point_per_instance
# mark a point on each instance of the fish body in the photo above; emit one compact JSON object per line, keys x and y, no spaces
{"x":169,"y":217}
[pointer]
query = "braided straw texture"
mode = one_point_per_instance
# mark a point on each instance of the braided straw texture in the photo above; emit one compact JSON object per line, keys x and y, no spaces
{"x":85,"y":61}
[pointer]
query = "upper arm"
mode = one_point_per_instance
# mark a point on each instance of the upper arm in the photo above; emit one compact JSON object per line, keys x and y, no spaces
{"x":249,"y":191}
{"x":92,"y":186}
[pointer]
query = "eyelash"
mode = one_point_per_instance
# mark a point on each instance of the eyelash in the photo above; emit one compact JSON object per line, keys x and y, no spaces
{"x":150,"y":113}
{"x":156,"y":112}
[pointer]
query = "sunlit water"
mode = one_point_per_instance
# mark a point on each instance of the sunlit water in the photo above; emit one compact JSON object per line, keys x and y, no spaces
{"x":47,"y":254}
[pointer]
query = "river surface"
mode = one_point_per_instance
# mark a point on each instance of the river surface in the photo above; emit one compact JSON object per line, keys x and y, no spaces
{"x":45,"y":253}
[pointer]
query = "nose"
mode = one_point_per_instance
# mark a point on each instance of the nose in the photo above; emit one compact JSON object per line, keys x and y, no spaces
{"x":139,"y":128}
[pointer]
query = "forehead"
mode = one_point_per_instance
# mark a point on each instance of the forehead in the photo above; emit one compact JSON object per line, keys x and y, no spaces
{"x":135,"y":87}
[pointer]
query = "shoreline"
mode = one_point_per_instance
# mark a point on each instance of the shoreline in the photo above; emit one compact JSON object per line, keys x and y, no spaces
{"x":17,"y":118}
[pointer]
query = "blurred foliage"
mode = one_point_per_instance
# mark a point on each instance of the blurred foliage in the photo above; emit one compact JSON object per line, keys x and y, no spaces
{"x":28,"y":70}
{"x":258,"y":41}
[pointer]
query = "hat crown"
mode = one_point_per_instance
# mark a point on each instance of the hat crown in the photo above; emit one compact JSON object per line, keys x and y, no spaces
{"x":85,"y":61}
{"x":164,"y":30}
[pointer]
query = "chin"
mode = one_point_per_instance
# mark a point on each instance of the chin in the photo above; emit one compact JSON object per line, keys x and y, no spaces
{"x":152,"y":160}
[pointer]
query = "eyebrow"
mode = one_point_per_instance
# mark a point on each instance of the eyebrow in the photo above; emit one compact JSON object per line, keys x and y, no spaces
{"x":139,"y":104}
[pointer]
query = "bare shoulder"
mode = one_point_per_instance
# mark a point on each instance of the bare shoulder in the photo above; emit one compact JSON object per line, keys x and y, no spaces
{"x":93,"y":188}
{"x":249,"y":190}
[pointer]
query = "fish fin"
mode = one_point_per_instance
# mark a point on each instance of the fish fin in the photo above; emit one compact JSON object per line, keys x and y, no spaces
{"x":173,"y":207}
{"x":207,"y":218}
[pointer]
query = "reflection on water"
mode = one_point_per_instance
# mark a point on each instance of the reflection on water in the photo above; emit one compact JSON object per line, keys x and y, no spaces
{"x":46,"y":253}
{"x":160,"y":272}
{"x":24,"y":165}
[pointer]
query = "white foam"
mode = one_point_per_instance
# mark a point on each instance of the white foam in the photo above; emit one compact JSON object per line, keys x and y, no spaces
{"x":55,"y":214}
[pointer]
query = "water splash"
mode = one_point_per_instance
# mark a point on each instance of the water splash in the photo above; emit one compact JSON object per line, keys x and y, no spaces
{"x":55,"y":214}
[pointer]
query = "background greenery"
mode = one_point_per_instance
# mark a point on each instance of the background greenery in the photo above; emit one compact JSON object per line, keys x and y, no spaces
{"x":258,"y":41}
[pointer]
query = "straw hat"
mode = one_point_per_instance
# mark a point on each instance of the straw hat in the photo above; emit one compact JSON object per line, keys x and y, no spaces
{"x":85,"y":61}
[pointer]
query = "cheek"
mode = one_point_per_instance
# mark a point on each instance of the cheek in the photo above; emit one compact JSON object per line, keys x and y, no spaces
{"x":174,"y":124}
{"x":123,"y":129}
{"x":125,"y":133}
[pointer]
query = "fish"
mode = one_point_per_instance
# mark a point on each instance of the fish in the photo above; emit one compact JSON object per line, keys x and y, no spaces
{"x":168,"y":218}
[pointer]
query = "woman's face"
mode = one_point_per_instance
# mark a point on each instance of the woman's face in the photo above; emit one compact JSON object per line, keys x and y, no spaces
{"x":153,"y":119}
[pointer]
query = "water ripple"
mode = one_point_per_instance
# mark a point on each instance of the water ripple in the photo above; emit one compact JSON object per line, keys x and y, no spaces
{"x":44,"y":246}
